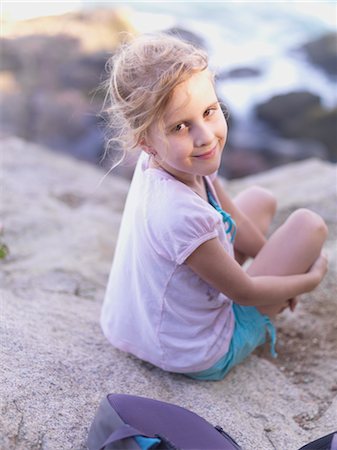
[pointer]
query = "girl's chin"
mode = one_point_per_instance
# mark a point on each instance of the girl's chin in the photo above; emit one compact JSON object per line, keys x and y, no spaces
{"x":212,"y":165}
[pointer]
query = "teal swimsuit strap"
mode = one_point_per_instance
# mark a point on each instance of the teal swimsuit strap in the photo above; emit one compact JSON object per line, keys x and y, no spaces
{"x":227,"y":218}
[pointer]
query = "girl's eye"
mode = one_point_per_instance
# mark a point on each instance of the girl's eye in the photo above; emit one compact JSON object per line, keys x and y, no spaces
{"x":209,"y":112}
{"x":179,"y":127}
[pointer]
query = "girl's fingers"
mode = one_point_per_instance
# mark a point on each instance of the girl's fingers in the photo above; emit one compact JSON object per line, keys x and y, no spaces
{"x":292,"y":304}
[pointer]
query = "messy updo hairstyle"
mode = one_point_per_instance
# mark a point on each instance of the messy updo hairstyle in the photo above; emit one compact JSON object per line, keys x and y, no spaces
{"x":142,"y":76}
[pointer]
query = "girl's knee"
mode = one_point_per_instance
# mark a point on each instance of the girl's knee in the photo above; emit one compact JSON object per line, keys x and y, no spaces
{"x":307,"y":220}
{"x":265,"y":196}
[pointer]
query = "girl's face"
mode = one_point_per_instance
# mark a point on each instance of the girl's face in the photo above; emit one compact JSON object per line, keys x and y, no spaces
{"x":195,"y":131}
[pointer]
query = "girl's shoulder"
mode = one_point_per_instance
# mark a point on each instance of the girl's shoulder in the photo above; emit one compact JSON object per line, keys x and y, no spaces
{"x":170,"y":214}
{"x":169,"y":204}
{"x":167,"y":193}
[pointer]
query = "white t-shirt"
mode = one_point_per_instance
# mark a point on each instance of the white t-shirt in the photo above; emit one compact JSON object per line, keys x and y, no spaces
{"x":155,"y":306}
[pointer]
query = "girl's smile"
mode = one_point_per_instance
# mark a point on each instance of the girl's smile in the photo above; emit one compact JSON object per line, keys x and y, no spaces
{"x":195,"y":131}
{"x":207,"y":155}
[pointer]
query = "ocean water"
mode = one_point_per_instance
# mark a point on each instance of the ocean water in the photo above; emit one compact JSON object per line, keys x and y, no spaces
{"x":260,"y":35}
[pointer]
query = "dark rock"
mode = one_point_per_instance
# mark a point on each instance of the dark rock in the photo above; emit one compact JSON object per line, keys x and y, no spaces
{"x":54,"y":68}
{"x":57,"y":100}
{"x":300,"y":115}
{"x":187,"y":36}
{"x":9,"y":57}
{"x":284,"y":151}
{"x":238,"y":163}
{"x":84,"y":73}
{"x":62,"y":120}
{"x":319,"y":124}
{"x":15,"y":114}
{"x":94,"y":29}
{"x":284,"y":107}
{"x":41,"y":57}
{"x":239,"y":72}
{"x":323,"y":52}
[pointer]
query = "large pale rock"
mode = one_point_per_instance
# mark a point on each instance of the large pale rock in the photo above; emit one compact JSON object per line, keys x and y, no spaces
{"x":61,"y":220}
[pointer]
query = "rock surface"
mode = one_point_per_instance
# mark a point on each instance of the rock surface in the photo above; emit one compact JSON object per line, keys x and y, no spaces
{"x":301,"y":115}
{"x":323,"y":52}
{"x":51,"y":69}
{"x":60,"y":224}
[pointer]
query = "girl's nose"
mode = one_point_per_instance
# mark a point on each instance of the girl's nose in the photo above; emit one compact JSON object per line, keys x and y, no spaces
{"x":203,"y":135}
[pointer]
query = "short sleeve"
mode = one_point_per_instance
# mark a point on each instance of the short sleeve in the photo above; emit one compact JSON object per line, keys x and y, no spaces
{"x":195,"y":232}
{"x":179,"y":222}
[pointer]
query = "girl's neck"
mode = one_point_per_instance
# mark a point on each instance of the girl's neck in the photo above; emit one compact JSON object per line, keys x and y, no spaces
{"x":196,"y":183}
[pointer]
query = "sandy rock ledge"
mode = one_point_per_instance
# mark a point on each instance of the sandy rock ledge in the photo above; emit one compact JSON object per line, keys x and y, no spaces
{"x":60,"y":225}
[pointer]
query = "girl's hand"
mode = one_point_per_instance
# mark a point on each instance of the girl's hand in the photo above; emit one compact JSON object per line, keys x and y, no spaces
{"x":292,"y":303}
{"x":319,"y":268}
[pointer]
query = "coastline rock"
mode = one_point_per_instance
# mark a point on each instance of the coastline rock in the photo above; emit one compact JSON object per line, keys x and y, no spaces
{"x":280,"y":109}
{"x":52,"y":68}
{"x":61,"y":221}
{"x":239,"y":72}
{"x":55,"y":119}
{"x":50,"y":94}
{"x":38,"y":58}
{"x":318,"y":124}
{"x":323,"y":52}
{"x":96,"y":30}
{"x":9,"y":58}
{"x":84,"y":73}
{"x":240,"y":162}
{"x":284,"y":151}
{"x":187,"y":36}
{"x":300,"y":115}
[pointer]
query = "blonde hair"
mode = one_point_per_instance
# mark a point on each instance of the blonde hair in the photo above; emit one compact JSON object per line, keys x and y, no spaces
{"x":142,"y":76}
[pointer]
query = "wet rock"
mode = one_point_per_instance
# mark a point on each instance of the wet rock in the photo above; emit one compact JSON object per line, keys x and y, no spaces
{"x":64,"y":120}
{"x":318,"y":124}
{"x":9,"y":58}
{"x":40,"y":58}
{"x":323,"y":52}
{"x":187,"y":35}
{"x":53,"y":68}
{"x":280,"y":109}
{"x":237,"y":163}
{"x":290,"y":150}
{"x":84,"y":73}
{"x":95,"y":29}
{"x":301,"y":115}
{"x":239,"y":72}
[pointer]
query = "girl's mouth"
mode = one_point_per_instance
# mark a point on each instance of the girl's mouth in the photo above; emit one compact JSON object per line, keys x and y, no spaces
{"x":207,"y":155}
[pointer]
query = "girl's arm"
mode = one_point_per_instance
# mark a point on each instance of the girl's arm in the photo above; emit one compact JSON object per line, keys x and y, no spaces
{"x":215,"y":266}
{"x":249,"y":240}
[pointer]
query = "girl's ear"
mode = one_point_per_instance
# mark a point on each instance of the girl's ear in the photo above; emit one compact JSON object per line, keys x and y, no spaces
{"x":147,"y":148}
{"x":142,"y":144}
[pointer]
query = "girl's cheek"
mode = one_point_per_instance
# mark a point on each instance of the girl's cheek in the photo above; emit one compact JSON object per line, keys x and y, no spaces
{"x":223,"y":128}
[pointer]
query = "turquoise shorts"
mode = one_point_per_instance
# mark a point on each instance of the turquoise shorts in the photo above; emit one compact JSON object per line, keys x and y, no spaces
{"x":250,"y":330}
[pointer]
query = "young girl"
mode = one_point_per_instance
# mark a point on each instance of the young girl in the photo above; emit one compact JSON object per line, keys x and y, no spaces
{"x":177,"y":295}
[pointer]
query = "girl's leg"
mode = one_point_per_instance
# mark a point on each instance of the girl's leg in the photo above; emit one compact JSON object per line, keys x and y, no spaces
{"x":259,"y":205}
{"x":292,"y":249}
